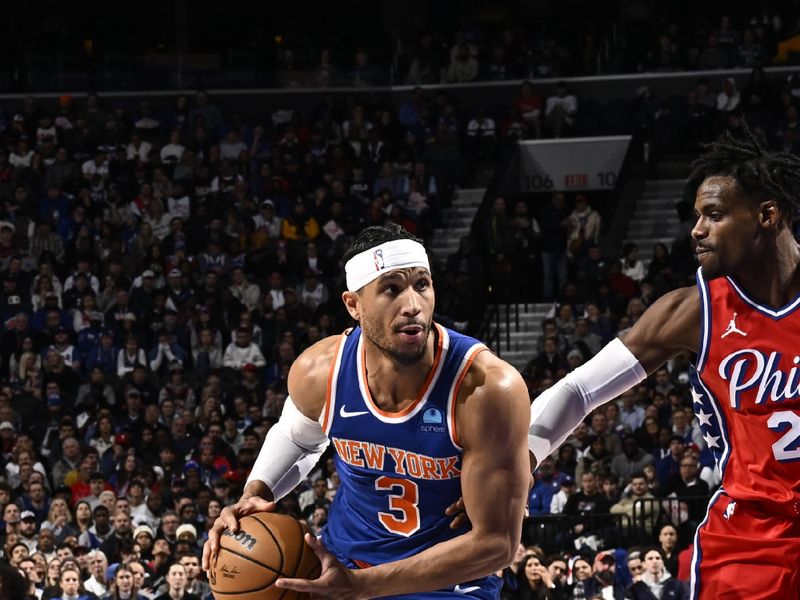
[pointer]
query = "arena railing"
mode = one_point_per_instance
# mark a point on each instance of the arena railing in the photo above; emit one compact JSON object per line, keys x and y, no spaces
{"x":254,"y":101}
{"x":555,"y":533}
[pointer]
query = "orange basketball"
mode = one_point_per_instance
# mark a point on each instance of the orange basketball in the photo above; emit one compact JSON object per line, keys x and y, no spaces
{"x":266,"y":547}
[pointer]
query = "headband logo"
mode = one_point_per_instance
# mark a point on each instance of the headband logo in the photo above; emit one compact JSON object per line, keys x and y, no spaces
{"x":377,"y":256}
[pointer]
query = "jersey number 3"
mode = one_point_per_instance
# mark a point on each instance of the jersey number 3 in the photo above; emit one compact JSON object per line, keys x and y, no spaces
{"x":404,"y":503}
{"x":786,"y":448}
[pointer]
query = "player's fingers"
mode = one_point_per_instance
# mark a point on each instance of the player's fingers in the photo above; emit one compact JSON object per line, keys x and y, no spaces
{"x":228,"y":519}
{"x":206,"y":555}
{"x":323,"y":554}
{"x":210,"y":549}
{"x":299,"y":585}
{"x":459,"y":521}
{"x":255,"y":505}
{"x":455,"y":507}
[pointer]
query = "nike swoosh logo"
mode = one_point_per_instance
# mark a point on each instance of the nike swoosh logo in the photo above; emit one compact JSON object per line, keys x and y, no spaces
{"x":346,"y":415}
{"x":459,"y":590}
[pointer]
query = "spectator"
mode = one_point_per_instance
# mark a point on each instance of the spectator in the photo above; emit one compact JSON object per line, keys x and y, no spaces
{"x":59,"y":519}
{"x":669,"y":465}
{"x":364,"y":72}
{"x":546,"y":485}
{"x":603,"y":583}
{"x":728,"y":99}
{"x":70,"y":584}
{"x":533,"y":580}
{"x":194,"y":585}
{"x":27,"y":530}
{"x":113,"y":544}
{"x":554,"y":222}
{"x":582,"y":573}
{"x":560,"y":111}
{"x":243,"y":352}
{"x":584,"y":226}
{"x":563,"y":495}
{"x":100,"y":529}
{"x":581,"y":506}
{"x":70,"y":458}
{"x":463,"y":67}
{"x":638,"y":504}
{"x":668,"y":542}
{"x":632,"y":460}
{"x":656,"y":581}
{"x":97,"y":584}
{"x":688,"y":485}
{"x":481,"y":137}
{"x":632,"y":267}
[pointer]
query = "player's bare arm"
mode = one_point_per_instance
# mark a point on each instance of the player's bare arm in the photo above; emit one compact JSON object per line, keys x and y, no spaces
{"x":669,"y":327}
{"x":491,"y":417}
{"x":307,"y":384}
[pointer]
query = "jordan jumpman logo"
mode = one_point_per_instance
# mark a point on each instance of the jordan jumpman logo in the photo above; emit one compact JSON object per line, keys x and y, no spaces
{"x":732,"y":328}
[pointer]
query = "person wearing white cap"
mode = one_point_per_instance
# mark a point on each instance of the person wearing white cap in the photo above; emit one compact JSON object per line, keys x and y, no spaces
{"x":27,"y":529}
{"x":186,"y":533}
{"x":266,"y":221}
{"x":144,"y":536}
{"x":419,"y":415}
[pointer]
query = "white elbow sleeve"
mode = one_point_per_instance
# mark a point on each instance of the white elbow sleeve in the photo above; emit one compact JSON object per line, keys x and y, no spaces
{"x":558,"y":411}
{"x":291,"y":449}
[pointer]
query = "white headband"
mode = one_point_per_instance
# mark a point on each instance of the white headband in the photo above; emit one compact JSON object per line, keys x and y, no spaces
{"x":367,"y":266}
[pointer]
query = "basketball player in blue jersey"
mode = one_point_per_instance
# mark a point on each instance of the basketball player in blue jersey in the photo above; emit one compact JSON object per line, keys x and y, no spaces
{"x":418,"y":415}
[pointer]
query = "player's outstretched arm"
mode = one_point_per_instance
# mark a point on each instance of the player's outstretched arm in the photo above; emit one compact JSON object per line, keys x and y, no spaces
{"x":491,"y":417}
{"x":670,"y":326}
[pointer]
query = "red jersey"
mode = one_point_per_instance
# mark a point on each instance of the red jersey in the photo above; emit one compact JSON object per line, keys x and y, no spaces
{"x":747,"y":398}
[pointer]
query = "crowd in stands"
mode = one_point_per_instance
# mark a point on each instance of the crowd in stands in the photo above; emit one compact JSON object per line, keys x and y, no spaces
{"x":530,"y":49}
{"x":536,"y":47}
{"x":480,"y":53}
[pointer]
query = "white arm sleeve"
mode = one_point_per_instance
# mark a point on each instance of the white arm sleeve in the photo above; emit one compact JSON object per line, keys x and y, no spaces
{"x":558,"y":410}
{"x":291,"y":449}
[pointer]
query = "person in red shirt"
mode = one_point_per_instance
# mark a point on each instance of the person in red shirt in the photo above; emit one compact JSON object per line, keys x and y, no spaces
{"x":529,"y":106}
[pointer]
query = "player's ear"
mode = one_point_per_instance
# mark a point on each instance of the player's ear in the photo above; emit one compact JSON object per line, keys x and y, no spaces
{"x":769,"y":214}
{"x":351,"y":302}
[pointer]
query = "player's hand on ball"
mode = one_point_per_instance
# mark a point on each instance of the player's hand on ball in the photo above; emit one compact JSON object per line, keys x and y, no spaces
{"x":335,"y":581}
{"x":229,"y":519}
{"x":457,"y":509}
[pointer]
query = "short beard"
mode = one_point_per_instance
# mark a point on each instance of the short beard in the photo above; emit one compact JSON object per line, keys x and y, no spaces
{"x":374,"y":333}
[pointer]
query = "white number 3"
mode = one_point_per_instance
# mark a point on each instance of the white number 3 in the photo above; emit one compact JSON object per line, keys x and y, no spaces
{"x":788,"y":446}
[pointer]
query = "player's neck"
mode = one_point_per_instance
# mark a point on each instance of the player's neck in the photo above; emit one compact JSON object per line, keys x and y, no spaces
{"x":776,"y":280}
{"x":392,"y":384}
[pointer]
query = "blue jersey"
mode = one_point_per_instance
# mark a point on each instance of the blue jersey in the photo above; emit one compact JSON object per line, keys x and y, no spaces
{"x":398,"y":471}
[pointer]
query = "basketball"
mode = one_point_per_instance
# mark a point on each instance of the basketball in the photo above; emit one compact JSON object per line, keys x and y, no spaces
{"x":266,"y":547}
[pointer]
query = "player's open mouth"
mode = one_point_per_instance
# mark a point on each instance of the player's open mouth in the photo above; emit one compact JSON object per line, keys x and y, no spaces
{"x":412,"y":333}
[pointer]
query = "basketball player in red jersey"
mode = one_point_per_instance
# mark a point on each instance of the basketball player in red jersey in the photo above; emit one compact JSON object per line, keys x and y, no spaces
{"x":418,"y":415}
{"x":743,"y":323}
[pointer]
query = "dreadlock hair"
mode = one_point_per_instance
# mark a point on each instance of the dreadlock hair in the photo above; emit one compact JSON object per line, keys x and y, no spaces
{"x":762,"y":174}
{"x":375,"y":236}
